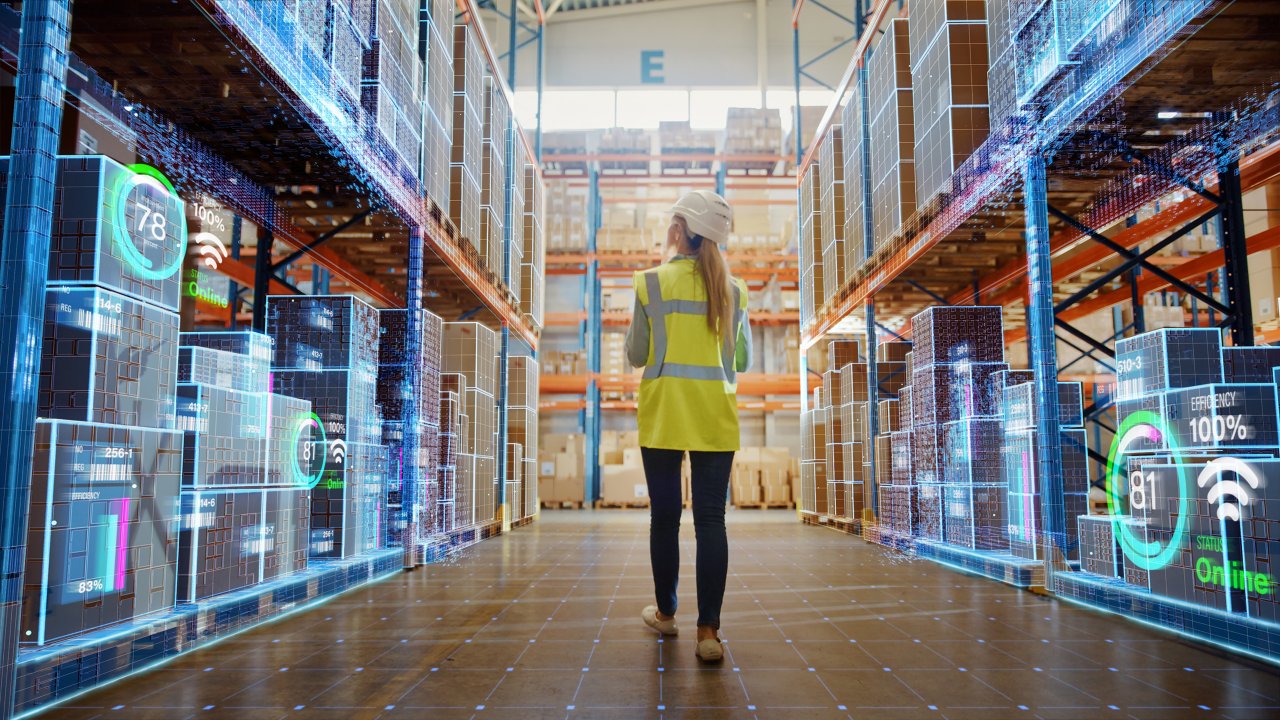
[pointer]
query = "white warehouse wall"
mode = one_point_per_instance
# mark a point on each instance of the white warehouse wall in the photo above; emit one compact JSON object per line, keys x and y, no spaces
{"x":703,"y":43}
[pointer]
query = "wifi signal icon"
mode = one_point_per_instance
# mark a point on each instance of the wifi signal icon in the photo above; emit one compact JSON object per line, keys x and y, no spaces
{"x":1223,"y":489}
{"x":338,"y":449}
{"x":211,"y":250}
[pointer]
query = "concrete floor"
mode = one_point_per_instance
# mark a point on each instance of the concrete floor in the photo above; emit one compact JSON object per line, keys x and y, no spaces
{"x":544,"y":623}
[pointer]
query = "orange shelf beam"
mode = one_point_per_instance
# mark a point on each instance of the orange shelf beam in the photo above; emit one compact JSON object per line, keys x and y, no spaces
{"x":1257,"y":170}
{"x":243,"y":273}
{"x":1266,"y":240}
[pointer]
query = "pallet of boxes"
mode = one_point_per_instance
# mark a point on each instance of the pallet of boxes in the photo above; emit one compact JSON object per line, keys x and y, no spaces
{"x":562,"y":470}
{"x":622,"y":483}
{"x":762,"y":478}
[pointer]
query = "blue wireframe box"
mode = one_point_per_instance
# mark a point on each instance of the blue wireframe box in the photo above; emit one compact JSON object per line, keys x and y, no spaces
{"x":1021,"y":481}
{"x":1018,"y":404}
{"x":975,"y":516}
{"x":117,"y":229}
{"x":1167,"y":359}
{"x":898,"y":508}
{"x":1250,"y":364}
{"x":1187,"y":523}
{"x":107,"y":358}
{"x":900,"y":449}
{"x":235,"y":538}
{"x":220,"y":542}
{"x":943,"y":393}
{"x":330,"y":332}
{"x":253,"y":350}
{"x":286,"y":523}
{"x":296,"y":448}
{"x":1046,"y":34}
{"x":224,"y":436}
{"x":342,"y":399}
{"x":102,"y":542}
{"x":1099,"y":549}
{"x":1025,"y":525}
{"x":1146,"y":442}
{"x":1000,"y":384}
{"x":926,"y":454}
{"x":1220,"y":416}
{"x":928,"y":520}
{"x":972,"y":452}
{"x":954,"y":334}
{"x":349,"y":505}
{"x":393,"y":364}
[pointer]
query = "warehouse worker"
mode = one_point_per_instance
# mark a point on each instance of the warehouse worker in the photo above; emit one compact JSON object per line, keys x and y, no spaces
{"x":690,"y":333}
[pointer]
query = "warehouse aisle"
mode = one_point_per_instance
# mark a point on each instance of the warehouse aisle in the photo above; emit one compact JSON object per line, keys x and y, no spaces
{"x":543,"y":623}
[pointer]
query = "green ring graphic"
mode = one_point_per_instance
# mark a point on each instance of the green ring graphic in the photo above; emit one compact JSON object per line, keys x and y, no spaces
{"x":309,"y":481}
{"x":137,"y":261}
{"x":1144,"y":554}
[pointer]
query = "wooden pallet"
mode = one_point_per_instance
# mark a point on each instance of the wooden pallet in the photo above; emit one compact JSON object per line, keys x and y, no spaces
{"x":562,"y":504}
{"x":602,"y":505}
{"x":764,"y":506}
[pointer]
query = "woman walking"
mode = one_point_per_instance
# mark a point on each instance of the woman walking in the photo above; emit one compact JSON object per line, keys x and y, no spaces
{"x":690,"y":332}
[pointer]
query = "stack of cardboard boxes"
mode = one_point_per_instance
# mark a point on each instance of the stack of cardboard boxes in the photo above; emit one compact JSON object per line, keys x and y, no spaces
{"x":533,"y":258}
{"x":622,"y":141}
{"x":764,"y":477}
{"x":562,"y":468}
{"x":564,"y":362}
{"x":892,"y":180}
{"x":948,"y":44}
{"x":812,"y":296}
{"x":466,"y":161}
{"x":622,"y":481}
{"x":566,"y":216}
{"x":752,"y":131}
{"x":810,"y":118}
{"x":677,"y":138}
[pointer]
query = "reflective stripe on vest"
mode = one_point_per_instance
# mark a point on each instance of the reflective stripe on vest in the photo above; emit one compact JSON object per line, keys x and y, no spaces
{"x":657,"y":309}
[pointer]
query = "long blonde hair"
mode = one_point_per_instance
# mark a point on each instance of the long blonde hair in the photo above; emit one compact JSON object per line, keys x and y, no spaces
{"x":719,"y":286}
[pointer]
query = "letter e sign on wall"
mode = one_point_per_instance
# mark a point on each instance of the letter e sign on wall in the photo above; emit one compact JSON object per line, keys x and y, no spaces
{"x":651,"y":67}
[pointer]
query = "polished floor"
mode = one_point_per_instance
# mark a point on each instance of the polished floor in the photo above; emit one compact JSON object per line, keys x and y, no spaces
{"x":544,"y":623}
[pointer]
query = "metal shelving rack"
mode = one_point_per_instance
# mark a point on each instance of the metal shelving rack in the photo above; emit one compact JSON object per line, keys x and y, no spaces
{"x":222,"y":114}
{"x":584,"y":394}
{"x":1114,"y":125}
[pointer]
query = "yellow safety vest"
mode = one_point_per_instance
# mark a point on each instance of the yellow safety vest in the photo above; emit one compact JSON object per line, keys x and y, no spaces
{"x":688,"y":400}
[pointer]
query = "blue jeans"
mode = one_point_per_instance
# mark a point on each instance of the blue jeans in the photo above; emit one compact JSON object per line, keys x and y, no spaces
{"x":710,"y":471}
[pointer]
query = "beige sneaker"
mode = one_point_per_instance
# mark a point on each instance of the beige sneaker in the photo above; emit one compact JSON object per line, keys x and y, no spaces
{"x":710,"y":651}
{"x":664,"y":627}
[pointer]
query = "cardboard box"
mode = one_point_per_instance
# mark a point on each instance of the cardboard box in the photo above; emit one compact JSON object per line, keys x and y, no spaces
{"x":631,"y":457}
{"x":547,"y":488}
{"x":745,"y":488}
{"x":569,"y":489}
{"x":623,"y":485}
{"x":776,"y":489}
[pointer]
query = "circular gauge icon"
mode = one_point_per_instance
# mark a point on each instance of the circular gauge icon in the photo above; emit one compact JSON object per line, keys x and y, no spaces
{"x":150,"y":227}
{"x":1146,"y":554}
{"x":305,"y":444}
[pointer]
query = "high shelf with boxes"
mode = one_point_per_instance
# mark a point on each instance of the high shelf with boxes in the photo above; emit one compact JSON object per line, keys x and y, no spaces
{"x":608,"y":201}
{"x":275,"y":466}
{"x":1036,"y":192}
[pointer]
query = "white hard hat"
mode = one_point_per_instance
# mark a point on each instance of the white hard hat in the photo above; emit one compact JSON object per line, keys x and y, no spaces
{"x":707,"y":215}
